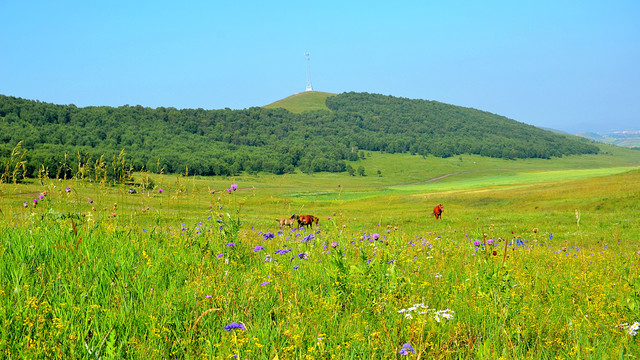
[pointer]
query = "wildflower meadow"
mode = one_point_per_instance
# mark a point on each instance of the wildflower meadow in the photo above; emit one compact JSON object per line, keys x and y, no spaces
{"x":199,"y":268}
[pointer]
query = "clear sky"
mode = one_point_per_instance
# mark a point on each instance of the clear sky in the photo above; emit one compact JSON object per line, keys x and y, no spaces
{"x":568,"y":65}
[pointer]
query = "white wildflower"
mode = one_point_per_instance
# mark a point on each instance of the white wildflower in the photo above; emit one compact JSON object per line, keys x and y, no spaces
{"x":438,"y":315}
{"x":446,"y":314}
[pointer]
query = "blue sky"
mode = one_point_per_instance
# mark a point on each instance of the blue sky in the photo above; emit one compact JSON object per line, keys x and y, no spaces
{"x":568,"y":65}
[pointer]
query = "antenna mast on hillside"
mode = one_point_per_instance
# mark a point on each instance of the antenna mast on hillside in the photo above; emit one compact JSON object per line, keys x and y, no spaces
{"x":309,"y":86}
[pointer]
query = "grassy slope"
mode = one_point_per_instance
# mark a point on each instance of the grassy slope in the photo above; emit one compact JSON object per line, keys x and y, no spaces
{"x":137,"y":274}
{"x":404,"y":186}
{"x":304,"y":101}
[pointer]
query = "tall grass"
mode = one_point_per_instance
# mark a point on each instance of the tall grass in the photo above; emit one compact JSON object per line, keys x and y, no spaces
{"x":159,"y":274}
{"x":13,"y":168}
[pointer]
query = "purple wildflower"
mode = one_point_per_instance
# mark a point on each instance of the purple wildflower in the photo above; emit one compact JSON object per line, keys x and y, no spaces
{"x":264,"y":283}
{"x":25,"y":204}
{"x":160,"y":191}
{"x":258,"y":248}
{"x":90,"y":200}
{"x":406,"y":347}
{"x":67,"y":189}
{"x":334,"y":244}
{"x":231,"y":244}
{"x":235,"y":325}
{"x":282,"y":251}
{"x":219,"y":256}
{"x":375,"y":236}
{"x":490,"y":241}
{"x":267,"y":236}
{"x":296,"y":267}
{"x":234,"y":187}
{"x":209,"y":296}
{"x":303,"y":256}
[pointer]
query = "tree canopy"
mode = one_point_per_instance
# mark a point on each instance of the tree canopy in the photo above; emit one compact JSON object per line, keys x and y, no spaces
{"x":224,"y":142}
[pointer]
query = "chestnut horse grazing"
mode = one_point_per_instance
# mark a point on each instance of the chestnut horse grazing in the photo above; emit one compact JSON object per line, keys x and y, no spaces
{"x":307,"y":220}
{"x":438,"y":210}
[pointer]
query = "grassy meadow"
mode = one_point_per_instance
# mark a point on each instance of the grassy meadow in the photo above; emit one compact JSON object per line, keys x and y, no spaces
{"x":535,"y":259}
{"x":304,"y":101}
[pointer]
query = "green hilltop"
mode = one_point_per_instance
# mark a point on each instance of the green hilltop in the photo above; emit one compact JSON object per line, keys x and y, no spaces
{"x":304,"y":101}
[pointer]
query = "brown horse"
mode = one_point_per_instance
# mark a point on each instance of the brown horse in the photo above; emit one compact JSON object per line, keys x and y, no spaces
{"x":287,"y":221}
{"x":307,"y":220}
{"x":438,"y":210}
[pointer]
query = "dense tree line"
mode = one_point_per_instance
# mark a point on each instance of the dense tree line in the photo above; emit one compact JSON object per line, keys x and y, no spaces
{"x":433,"y":128}
{"x":224,"y":142}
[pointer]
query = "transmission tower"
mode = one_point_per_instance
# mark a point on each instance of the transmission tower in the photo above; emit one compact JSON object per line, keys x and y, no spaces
{"x":309,"y":86}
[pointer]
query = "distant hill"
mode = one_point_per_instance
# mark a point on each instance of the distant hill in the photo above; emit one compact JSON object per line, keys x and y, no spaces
{"x":433,"y":128}
{"x":630,"y":139}
{"x":554,"y":130}
{"x":63,"y":138}
{"x":304,"y":101}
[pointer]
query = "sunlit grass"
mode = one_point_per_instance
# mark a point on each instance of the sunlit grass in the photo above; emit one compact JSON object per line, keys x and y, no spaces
{"x":512,"y":179}
{"x":304,"y":101}
{"x":156,"y":276}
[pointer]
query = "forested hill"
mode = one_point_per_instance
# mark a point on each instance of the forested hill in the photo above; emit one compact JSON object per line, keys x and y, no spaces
{"x":222,"y":142}
{"x":431,"y":127}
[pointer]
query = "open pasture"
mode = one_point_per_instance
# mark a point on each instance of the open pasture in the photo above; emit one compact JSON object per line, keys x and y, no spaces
{"x":194,"y":269}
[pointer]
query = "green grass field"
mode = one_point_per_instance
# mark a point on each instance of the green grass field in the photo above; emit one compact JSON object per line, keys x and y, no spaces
{"x":304,"y":101}
{"x":533,"y":259}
